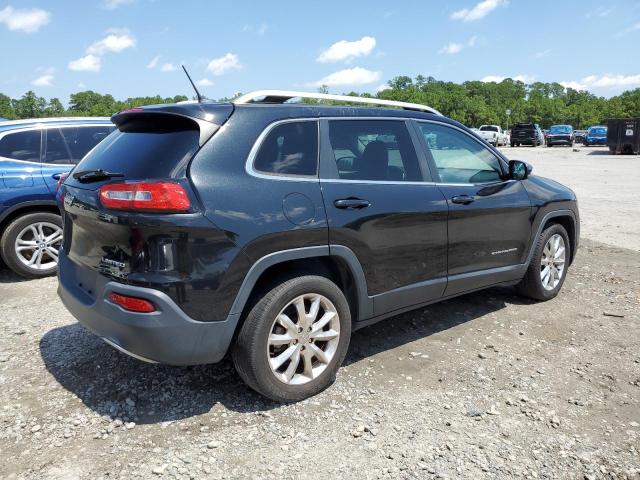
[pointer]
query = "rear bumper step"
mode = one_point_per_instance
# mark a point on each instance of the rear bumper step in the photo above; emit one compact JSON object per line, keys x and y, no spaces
{"x":165,"y":336}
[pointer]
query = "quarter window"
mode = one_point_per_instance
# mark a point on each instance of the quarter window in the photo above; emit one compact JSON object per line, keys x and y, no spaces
{"x":289,"y":149}
{"x":21,"y":145}
{"x":377,"y":150}
{"x":459,"y":158}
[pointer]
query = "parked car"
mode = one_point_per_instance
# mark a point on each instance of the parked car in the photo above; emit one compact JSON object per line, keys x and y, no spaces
{"x":560,"y":135}
{"x":623,"y":135}
{"x":275,"y":230}
{"x":493,"y":134}
{"x":596,"y":135}
{"x":526,"y":134}
{"x":579,"y":135}
{"x":33,"y":156}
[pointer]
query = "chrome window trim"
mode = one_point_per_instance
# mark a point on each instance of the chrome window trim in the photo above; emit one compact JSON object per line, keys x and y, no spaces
{"x":293,"y":178}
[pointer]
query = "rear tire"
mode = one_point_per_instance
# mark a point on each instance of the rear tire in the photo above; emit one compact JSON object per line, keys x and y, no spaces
{"x":26,"y":231}
{"x":535,"y":284}
{"x":275,"y":326}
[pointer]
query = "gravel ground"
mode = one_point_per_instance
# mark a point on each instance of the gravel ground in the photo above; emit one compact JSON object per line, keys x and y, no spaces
{"x":484,"y":386}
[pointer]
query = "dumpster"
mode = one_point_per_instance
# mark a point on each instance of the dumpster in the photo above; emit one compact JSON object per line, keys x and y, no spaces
{"x":623,"y":135}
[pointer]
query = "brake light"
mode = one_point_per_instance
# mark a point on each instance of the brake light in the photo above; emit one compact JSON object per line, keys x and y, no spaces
{"x":145,"y":196}
{"x":61,"y":180}
{"x":133,"y":304}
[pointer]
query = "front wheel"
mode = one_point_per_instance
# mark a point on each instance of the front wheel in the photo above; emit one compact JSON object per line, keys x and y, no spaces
{"x":294,"y":339}
{"x":30,"y":243}
{"x":548,"y":268}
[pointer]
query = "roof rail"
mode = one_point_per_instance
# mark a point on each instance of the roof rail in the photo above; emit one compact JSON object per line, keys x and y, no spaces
{"x":52,"y":119}
{"x":281,"y":96}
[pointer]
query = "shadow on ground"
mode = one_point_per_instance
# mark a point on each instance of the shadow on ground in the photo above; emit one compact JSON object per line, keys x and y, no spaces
{"x":7,"y":275}
{"x":117,"y":386}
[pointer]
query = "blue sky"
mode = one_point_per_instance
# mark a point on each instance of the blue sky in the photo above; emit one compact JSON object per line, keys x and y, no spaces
{"x":135,"y":47}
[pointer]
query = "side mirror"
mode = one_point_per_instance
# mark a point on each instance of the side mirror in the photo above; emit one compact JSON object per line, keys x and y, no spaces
{"x":519,"y":170}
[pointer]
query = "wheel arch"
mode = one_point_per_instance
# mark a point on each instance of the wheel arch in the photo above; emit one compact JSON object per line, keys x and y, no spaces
{"x":8,"y":216}
{"x":338,"y":263}
{"x":567,"y":219}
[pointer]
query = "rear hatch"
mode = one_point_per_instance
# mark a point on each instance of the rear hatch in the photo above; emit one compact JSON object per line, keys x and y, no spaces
{"x":128,"y":206}
{"x":523,"y":130}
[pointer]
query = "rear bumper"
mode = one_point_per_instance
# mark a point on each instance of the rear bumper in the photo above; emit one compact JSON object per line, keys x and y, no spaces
{"x":166,"y":336}
{"x":596,"y":141}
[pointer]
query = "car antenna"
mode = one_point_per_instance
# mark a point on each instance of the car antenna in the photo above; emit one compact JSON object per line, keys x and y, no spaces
{"x":200,"y":97}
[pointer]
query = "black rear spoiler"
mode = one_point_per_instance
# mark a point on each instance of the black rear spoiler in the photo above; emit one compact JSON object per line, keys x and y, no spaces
{"x":208,"y":116}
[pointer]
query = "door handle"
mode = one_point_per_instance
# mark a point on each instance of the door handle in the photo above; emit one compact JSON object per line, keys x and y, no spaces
{"x":462,"y":199}
{"x":352,"y":203}
{"x":56,"y":176}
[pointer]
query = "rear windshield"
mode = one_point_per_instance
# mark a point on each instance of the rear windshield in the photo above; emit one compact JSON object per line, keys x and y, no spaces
{"x":155,"y":148}
{"x":560,"y":129}
{"x":523,"y":126}
{"x":598,"y":131}
{"x":488,"y":128}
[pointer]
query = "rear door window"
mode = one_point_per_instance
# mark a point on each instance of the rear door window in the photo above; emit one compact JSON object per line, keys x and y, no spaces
{"x":21,"y":145}
{"x":377,"y":150}
{"x":70,"y":143}
{"x":290,"y":148}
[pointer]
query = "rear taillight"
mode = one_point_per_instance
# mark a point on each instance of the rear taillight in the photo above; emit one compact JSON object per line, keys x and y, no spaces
{"x":61,"y":179}
{"x":145,"y":196}
{"x":133,"y":304}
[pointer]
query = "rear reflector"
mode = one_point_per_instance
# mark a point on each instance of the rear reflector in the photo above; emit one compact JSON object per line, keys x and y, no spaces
{"x":146,"y":196}
{"x":133,"y":304}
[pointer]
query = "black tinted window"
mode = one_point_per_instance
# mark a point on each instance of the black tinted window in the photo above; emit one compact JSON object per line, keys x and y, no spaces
{"x":289,"y":149}
{"x":373,"y":150}
{"x":21,"y":145}
{"x":145,"y":149}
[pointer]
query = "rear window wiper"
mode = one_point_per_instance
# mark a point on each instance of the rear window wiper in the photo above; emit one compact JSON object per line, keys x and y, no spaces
{"x":86,"y":176}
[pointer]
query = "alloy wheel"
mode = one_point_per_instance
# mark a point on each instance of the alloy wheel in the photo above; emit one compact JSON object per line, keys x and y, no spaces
{"x":37,"y":245}
{"x":303,"y":339}
{"x":553,"y":262}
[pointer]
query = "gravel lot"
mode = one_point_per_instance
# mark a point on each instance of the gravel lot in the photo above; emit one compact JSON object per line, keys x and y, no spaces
{"x":484,"y":386}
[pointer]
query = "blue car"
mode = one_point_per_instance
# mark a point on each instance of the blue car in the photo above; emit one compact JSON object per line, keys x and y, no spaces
{"x":33,"y":155}
{"x":596,"y":136}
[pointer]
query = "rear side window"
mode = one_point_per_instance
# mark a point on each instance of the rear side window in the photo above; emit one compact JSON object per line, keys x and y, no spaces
{"x":149,"y":148}
{"x":21,"y":145}
{"x":377,"y":150}
{"x":67,"y":145}
{"x":289,"y":149}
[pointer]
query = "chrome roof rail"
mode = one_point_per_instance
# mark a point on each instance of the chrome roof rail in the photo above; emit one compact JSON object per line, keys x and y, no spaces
{"x":281,"y":96}
{"x":53,"y":120}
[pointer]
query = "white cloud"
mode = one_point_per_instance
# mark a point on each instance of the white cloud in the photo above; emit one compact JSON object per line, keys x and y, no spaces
{"x":498,"y":78}
{"x":88,"y":63}
{"x":27,"y":20}
{"x":113,"y":4}
{"x":350,"y":76}
{"x":168,"y":67}
{"x":112,"y":43}
{"x":608,"y":80}
{"x":453,"y":47}
{"x":43,"y":80}
{"x":259,"y":30}
{"x":228,"y":62}
{"x":154,"y":62}
{"x":480,"y":10}
{"x":382,"y":87}
{"x":82,"y":86}
{"x":204,"y":82}
{"x":345,"y":50}
{"x":543,"y":53}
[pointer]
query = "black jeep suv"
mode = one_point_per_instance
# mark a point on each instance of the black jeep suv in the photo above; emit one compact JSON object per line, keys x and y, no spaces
{"x":273,"y":230}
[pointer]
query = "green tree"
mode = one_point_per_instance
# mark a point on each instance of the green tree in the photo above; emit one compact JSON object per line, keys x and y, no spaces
{"x":6,"y":107}
{"x":29,"y":106}
{"x":54,"y":108}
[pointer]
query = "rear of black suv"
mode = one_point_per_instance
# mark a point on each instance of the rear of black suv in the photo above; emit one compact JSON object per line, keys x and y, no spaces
{"x":138,"y":250}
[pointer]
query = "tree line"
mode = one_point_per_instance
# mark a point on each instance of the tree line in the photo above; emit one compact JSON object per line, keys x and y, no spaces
{"x":472,"y":103}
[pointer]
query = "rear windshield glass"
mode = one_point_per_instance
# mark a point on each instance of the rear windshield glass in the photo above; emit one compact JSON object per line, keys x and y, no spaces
{"x":560,"y":129}
{"x":145,"y":149}
{"x":488,"y":128}
{"x":598,"y":131}
{"x":523,"y":126}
